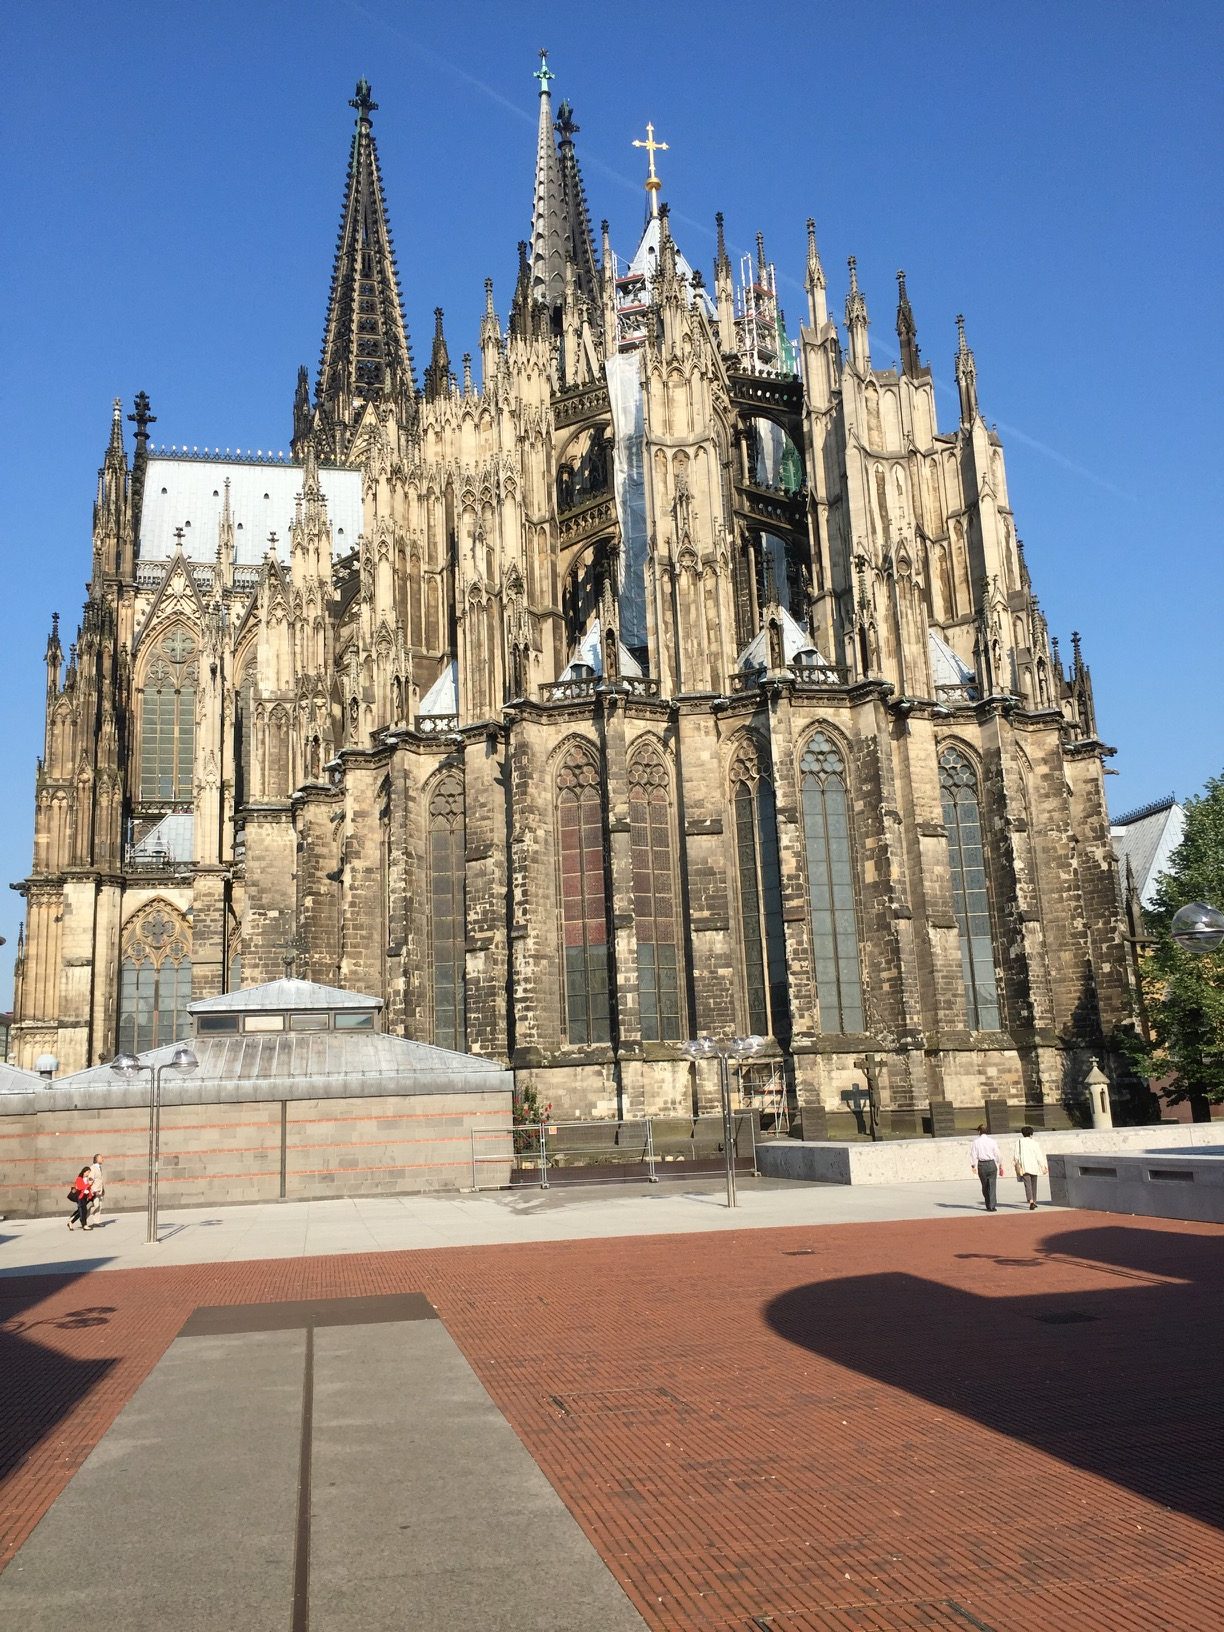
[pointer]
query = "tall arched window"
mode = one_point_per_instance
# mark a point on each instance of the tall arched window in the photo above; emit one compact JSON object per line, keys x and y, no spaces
{"x":154,"y":981}
{"x":655,"y":910}
{"x":244,"y":730}
{"x":167,"y":720}
{"x":584,"y":915}
{"x":835,"y":940}
{"x":760,"y":896}
{"x":970,"y":902}
{"x":447,"y":912}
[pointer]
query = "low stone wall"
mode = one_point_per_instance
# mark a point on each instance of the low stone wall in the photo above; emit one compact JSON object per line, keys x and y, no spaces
{"x":1185,"y":1186}
{"x":925,"y":1161}
{"x":292,"y":1147}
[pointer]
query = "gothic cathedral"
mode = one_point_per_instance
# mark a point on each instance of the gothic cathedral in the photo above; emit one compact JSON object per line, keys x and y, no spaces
{"x":681,"y":677}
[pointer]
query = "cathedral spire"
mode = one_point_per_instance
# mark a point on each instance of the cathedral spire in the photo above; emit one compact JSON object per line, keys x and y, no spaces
{"x":856,"y":323}
{"x":366,"y":350}
{"x":907,"y":332}
{"x":966,"y":375}
{"x":580,"y":243}
{"x":438,"y":374}
{"x":548,"y":215}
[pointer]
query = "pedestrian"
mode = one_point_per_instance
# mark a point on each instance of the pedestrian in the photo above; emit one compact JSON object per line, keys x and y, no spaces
{"x":986,"y":1162}
{"x":79,"y":1196}
{"x":1030,"y":1165}
{"x":98,"y":1185}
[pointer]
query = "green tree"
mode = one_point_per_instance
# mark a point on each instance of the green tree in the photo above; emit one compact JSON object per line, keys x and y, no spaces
{"x":1184,"y":991}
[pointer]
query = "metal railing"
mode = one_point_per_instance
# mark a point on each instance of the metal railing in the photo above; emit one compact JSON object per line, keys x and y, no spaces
{"x":555,"y":1153}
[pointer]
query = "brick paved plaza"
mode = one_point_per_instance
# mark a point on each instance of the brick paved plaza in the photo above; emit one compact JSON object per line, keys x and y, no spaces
{"x":1010,"y":1422}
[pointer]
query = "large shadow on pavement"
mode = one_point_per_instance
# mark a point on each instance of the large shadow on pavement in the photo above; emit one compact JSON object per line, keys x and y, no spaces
{"x":39,"y":1384}
{"x":1123,"y":1380}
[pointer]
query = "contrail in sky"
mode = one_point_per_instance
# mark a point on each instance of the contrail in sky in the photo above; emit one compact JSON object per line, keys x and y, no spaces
{"x":633,"y":185}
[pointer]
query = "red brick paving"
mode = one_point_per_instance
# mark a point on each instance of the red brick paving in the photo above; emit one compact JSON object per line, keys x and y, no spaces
{"x":1012,"y":1423}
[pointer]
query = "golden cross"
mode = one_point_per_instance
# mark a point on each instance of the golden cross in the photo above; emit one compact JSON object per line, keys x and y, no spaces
{"x":652,"y":181}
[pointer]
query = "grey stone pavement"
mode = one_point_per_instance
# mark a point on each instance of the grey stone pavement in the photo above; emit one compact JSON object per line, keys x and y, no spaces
{"x":302,"y":1229}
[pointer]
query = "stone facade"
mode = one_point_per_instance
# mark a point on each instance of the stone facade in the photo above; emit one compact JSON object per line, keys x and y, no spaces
{"x":682,"y":677}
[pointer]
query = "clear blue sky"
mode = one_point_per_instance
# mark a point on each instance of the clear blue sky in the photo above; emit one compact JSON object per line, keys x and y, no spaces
{"x":173,"y":185}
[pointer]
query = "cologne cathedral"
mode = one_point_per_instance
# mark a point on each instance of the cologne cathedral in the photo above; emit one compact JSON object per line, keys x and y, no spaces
{"x":664,"y":671}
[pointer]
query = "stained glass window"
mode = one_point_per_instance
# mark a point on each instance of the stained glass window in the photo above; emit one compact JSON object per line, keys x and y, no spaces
{"x":654,"y":899}
{"x":970,"y":902}
{"x":154,"y":982}
{"x":830,"y":869}
{"x":760,"y":898}
{"x":167,"y":720}
{"x":447,"y":912}
{"x":584,"y":918}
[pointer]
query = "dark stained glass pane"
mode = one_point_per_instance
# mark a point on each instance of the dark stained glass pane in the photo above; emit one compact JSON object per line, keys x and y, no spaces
{"x":970,"y":899}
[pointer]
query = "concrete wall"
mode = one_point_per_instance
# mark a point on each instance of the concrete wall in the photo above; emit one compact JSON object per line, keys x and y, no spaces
{"x":1165,"y":1186}
{"x":925,"y":1161}
{"x":293,"y":1148}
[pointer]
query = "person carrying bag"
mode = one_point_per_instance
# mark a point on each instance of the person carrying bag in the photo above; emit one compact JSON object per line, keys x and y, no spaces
{"x":80,"y":1196}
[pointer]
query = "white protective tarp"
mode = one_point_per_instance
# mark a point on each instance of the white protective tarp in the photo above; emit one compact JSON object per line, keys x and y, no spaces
{"x":625,"y":395}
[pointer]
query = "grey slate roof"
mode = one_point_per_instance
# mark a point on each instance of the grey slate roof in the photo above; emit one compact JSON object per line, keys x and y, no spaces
{"x":283,"y":995}
{"x":1147,"y":839}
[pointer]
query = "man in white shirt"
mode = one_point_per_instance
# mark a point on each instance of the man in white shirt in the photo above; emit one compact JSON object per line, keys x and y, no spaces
{"x":985,"y":1160}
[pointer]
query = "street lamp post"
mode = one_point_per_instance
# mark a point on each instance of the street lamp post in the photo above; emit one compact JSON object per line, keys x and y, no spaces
{"x":731,"y":1048}
{"x":129,"y":1067}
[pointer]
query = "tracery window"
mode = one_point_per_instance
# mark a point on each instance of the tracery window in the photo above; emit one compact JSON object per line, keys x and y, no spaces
{"x":584,"y":916}
{"x":655,"y":907}
{"x":244,"y":727}
{"x":760,"y":896}
{"x":167,"y":719}
{"x":835,"y":937}
{"x":154,"y":981}
{"x":447,"y":912}
{"x":970,"y":901}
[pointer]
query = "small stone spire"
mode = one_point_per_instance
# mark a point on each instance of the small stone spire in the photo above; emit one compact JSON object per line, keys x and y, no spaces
{"x":722,"y":261}
{"x":814,"y":283}
{"x":760,"y":262}
{"x":520,"y":317}
{"x":724,"y":291}
{"x":907,"y":332}
{"x":301,"y":411}
{"x":54,"y":655}
{"x":467,"y":373}
{"x":114,"y":448}
{"x":856,"y":323}
{"x":966,"y":375}
{"x":437,"y":375}
{"x":490,"y":337}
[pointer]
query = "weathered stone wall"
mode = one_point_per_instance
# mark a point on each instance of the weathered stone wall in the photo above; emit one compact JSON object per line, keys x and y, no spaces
{"x":246,"y":1151}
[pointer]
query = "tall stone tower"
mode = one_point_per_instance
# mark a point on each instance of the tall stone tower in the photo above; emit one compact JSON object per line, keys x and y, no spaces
{"x":682,"y":676}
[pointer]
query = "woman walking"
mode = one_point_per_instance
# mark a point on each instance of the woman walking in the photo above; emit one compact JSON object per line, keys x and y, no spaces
{"x":80,"y":1195}
{"x":1030,"y":1165}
